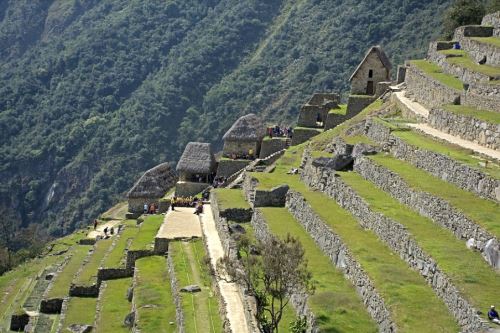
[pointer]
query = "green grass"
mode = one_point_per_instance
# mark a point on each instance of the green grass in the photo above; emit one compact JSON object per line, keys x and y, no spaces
{"x":342,"y":110}
{"x":335,"y":302}
{"x":436,"y":72}
{"x":88,"y":275}
{"x":147,"y":232}
{"x":320,"y":153}
{"x":308,"y":129}
{"x":484,"y":212}
{"x":116,"y":258}
{"x":267,"y":138}
{"x":462,"y":59}
{"x":60,"y":286}
{"x":153,"y":288}
{"x":117,"y":212}
{"x":81,"y":310}
{"x":231,"y":198}
{"x":114,"y":307}
{"x":488,"y":116}
{"x":477,"y":281}
{"x":457,"y":153}
{"x":488,"y":40}
{"x":201,"y":309}
{"x":320,"y":141}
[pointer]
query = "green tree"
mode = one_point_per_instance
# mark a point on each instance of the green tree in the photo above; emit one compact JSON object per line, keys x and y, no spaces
{"x":462,"y":12}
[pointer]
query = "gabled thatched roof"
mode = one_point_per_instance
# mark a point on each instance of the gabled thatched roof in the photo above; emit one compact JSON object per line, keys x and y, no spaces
{"x":381,"y":55}
{"x":154,"y":183}
{"x":197,"y":158}
{"x":246,"y":128}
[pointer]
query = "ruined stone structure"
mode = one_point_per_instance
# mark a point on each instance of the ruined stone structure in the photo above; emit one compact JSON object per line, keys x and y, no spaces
{"x":152,"y":186}
{"x":196,"y":168}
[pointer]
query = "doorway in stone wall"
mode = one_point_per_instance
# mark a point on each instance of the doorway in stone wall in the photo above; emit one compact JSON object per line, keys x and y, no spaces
{"x":369,"y":88}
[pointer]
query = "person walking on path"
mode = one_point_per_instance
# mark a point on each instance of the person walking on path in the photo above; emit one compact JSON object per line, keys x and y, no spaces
{"x":95,"y":224}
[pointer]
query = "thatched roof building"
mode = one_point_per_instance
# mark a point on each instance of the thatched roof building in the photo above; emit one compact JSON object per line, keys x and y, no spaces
{"x":246,"y":128}
{"x":197,"y":158}
{"x":154,"y":183}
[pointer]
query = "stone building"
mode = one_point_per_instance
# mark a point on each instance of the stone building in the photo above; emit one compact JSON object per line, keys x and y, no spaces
{"x":244,"y":137}
{"x":196,"y":168}
{"x":315,"y":111}
{"x":374,"y":68}
{"x":151,"y":187}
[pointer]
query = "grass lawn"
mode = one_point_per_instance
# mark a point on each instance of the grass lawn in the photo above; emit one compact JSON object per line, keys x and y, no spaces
{"x":231,"y":198}
{"x":488,"y":116}
{"x":201,"y":309}
{"x":340,"y":111}
{"x":117,"y":212}
{"x":488,"y":40}
{"x":320,"y":142}
{"x":463,"y":60}
{"x":116,"y":258}
{"x":484,"y":212}
{"x":436,"y":72}
{"x":114,"y":307}
{"x":81,"y":310}
{"x":147,"y":232}
{"x":88,"y":275}
{"x":153,"y":288}
{"x":335,"y":302}
{"x":457,"y":153}
{"x":477,"y":281}
{"x":60,"y":287}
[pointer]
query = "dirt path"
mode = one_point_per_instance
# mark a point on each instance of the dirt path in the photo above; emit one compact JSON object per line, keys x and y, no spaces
{"x":458,"y":141}
{"x":100,"y":228}
{"x":181,"y":223}
{"x":230,"y":292}
{"x":417,"y":108}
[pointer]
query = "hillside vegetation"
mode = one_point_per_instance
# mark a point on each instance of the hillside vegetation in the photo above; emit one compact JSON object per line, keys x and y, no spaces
{"x":94,"y":92}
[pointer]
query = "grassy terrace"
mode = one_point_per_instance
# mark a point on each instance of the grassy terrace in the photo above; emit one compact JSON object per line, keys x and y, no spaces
{"x":488,"y":40}
{"x":153,"y":288}
{"x":404,"y":290}
{"x":335,"y":301}
{"x":457,"y":153}
{"x":340,"y":111}
{"x":436,"y":72}
{"x":60,"y":286}
{"x":114,"y":307}
{"x":231,"y":198}
{"x":483,"y":212}
{"x":81,"y":310}
{"x":462,"y":59}
{"x":469,"y":273}
{"x":488,"y":116}
{"x":147,"y":232}
{"x":201,"y":309}
{"x":88,"y":275}
{"x":116,"y":258}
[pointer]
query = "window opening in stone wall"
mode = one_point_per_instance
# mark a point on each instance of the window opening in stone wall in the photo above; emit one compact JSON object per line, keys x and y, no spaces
{"x":370,"y":73}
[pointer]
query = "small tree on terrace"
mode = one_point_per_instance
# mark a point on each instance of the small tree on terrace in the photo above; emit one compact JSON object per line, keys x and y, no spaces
{"x":277,"y":272}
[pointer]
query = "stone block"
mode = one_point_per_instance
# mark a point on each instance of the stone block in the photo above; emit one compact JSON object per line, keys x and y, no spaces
{"x":302,"y":134}
{"x":186,"y":189}
{"x":228,"y":167}
{"x":272,"y":145}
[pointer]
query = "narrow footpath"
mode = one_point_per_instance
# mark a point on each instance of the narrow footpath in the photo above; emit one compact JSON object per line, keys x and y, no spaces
{"x":230,"y":293}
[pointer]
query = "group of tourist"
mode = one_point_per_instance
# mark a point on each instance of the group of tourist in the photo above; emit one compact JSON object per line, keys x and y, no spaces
{"x":152,"y":208}
{"x":250,"y":155}
{"x":280,"y":132}
{"x":182,"y":202}
{"x":218,"y":182}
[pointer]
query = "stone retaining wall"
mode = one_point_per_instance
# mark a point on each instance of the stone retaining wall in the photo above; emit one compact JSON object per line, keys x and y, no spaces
{"x":104,"y":274}
{"x":302,"y":134}
{"x":478,"y":50}
{"x":494,"y":21}
{"x":179,"y":315}
{"x":228,"y":167}
{"x":356,"y":103}
{"x":466,"y":127}
{"x":228,"y":243}
{"x":270,"y":146}
{"x":399,"y":240}
{"x":472,"y":31}
{"x":439,"y":165}
{"x":84,"y":291}
{"x":483,"y":96}
{"x":429,"y":91}
{"x":435,"y":208}
{"x":237,"y":214}
{"x":132,"y":256}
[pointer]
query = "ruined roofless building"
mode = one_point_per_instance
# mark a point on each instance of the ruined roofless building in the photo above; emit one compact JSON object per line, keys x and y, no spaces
{"x":245,"y":135}
{"x":374,"y":68}
{"x":152,"y":186}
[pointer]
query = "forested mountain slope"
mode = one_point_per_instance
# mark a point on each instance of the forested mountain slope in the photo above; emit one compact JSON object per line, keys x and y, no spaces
{"x":92,"y":92}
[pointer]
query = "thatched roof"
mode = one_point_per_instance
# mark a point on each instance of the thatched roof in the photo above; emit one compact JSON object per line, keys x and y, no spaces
{"x":154,"y":183}
{"x":381,"y":55}
{"x":246,"y":128}
{"x":197,"y":158}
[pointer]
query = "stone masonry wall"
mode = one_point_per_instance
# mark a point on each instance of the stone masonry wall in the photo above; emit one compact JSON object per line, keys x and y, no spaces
{"x":428,"y":91}
{"x":439,"y":165}
{"x":399,"y":240}
{"x":301,"y":134}
{"x":357,"y":103}
{"x":179,"y":315}
{"x":483,"y":96}
{"x":466,"y":127}
{"x":227,"y":167}
{"x":270,"y":146}
{"x":437,"y":209}
{"x":494,"y":21}
{"x":478,"y":50}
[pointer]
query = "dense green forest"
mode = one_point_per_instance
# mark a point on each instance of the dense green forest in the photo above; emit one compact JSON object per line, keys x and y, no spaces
{"x":93,"y":92}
